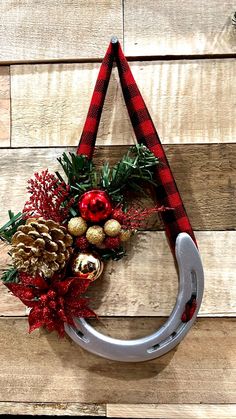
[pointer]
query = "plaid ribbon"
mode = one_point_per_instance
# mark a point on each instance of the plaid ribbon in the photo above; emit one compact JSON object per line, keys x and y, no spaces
{"x":176,"y":220}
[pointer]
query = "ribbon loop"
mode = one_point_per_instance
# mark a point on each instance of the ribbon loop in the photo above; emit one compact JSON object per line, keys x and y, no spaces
{"x":175,"y":221}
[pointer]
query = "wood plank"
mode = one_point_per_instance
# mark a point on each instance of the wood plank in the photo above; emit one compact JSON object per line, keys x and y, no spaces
{"x":41,"y":368}
{"x":58,"y":29}
{"x":58,"y":409}
{"x":127,"y":289}
{"x":172,"y":411}
{"x":5,"y":106}
{"x":190,"y":102}
{"x":205,"y":175}
{"x":167,"y":27}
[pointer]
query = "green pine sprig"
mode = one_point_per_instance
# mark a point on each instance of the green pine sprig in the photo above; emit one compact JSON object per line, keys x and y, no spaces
{"x":9,"y":229}
{"x":135,"y":166}
{"x":79,"y":171}
{"x":10,"y":275}
{"x":81,"y":176}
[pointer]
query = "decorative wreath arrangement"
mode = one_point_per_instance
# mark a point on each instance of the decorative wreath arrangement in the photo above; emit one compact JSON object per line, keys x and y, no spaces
{"x":68,"y":228}
{"x":73,"y":223}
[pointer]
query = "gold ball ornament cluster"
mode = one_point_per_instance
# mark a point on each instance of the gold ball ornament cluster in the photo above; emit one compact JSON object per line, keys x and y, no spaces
{"x":98,"y":235}
{"x":112,"y":228}
{"x":125,"y":235}
{"x":77,"y":226}
{"x":95,"y":235}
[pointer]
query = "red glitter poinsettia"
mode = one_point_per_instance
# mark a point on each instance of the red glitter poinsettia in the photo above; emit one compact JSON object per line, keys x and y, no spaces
{"x":49,"y":198}
{"x":52,"y":304}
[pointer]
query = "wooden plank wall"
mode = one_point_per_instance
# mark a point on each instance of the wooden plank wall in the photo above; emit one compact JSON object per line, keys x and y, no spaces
{"x":183,"y":57}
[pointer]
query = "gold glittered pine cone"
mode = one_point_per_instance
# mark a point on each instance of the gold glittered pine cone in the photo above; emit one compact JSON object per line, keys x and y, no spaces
{"x":41,"y":247}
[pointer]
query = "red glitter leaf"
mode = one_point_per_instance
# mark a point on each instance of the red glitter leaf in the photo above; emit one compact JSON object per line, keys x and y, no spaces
{"x":84,"y":312}
{"x":62,"y":287}
{"x":78,"y":287}
{"x":25,"y":294}
{"x":37,"y":281}
{"x":35,"y":319}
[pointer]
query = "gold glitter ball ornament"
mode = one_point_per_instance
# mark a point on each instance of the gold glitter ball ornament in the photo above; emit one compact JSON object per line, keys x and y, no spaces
{"x":77,"y":226}
{"x":125,"y":235}
{"x":87,"y":266}
{"x":95,"y":235}
{"x":112,"y":228}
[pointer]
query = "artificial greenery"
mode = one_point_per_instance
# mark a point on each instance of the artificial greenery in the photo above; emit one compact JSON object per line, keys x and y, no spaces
{"x":10,"y":275}
{"x":135,"y":166}
{"x":9,"y":229}
{"x":81,"y":176}
{"x":114,"y":254}
{"x":79,"y":172}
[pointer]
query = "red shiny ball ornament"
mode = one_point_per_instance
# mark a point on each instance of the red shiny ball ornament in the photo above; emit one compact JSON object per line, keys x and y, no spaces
{"x":95,"y":206}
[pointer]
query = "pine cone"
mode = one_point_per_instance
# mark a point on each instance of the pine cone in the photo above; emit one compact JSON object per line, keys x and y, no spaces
{"x":41,"y":247}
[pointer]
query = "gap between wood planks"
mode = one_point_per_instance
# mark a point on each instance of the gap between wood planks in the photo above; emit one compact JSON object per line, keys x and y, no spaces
{"x":155,"y":411}
{"x":139,"y":58}
{"x":52,"y":408}
{"x":172,"y":411}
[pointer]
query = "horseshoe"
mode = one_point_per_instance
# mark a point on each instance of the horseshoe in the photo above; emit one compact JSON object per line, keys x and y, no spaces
{"x":177,"y":226}
{"x":191,"y":284}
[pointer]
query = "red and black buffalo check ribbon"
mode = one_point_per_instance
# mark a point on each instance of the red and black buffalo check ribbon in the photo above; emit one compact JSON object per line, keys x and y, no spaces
{"x":176,"y":220}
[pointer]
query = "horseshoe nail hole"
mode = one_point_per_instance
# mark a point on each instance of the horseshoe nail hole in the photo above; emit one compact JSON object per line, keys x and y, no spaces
{"x":194,"y":282}
{"x":179,"y":329}
{"x":154,"y":348}
{"x":81,"y":336}
{"x":167,"y":340}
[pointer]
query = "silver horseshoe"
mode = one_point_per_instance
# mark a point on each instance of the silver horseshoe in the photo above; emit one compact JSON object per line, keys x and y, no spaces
{"x":191,"y":284}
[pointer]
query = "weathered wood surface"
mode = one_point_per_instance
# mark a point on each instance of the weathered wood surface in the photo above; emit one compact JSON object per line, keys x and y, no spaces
{"x":172,"y":411}
{"x":146,"y":283}
{"x":4,"y":107}
{"x":168,"y":27}
{"x":205,"y":175}
{"x":52,"y":409}
{"x":190,"y":102}
{"x":57,"y":29}
{"x":41,"y":368}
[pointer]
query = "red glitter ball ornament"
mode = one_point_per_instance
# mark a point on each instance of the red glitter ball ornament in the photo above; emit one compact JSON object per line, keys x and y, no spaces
{"x":112,"y":242}
{"x":95,"y":206}
{"x":118,"y":215}
{"x":82,"y":243}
